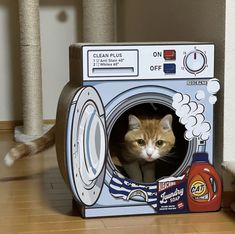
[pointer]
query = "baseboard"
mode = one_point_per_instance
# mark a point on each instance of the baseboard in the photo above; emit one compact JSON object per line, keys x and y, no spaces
{"x":10,"y":125}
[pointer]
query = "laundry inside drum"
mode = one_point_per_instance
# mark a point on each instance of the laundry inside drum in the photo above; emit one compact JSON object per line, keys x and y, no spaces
{"x":143,"y":152}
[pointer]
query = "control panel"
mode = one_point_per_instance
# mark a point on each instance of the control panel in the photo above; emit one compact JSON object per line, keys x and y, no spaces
{"x":148,"y":61}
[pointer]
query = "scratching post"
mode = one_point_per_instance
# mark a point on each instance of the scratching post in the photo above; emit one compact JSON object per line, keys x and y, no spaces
{"x":30,"y":50}
{"x":98,"y":20}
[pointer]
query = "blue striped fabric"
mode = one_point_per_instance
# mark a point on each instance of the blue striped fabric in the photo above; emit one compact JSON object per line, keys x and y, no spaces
{"x":126,"y":189}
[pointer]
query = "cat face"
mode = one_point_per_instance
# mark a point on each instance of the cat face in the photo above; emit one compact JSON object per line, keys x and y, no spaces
{"x":149,"y":139}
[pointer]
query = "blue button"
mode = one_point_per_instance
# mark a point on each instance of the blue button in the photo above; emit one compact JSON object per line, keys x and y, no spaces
{"x":169,"y":68}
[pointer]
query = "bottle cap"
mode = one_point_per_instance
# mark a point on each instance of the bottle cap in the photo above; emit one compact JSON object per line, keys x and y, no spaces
{"x":200,"y":157}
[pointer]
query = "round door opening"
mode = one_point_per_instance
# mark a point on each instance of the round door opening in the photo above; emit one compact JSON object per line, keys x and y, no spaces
{"x":91,"y":134}
{"x":86,"y":145}
{"x":147,"y":142}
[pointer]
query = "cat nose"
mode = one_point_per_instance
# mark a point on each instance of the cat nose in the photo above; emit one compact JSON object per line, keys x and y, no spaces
{"x":149,"y":152}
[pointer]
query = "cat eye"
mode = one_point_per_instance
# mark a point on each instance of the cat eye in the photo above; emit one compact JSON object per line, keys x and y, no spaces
{"x":141,"y":142}
{"x":159,"y":143}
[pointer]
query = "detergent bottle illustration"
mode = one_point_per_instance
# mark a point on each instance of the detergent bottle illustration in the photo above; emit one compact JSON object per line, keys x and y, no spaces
{"x":204,"y":185}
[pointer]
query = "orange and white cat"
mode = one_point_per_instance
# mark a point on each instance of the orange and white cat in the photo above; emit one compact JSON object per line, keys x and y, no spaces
{"x":146,"y":140}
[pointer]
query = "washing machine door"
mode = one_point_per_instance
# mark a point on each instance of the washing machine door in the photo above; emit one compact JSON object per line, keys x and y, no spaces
{"x":87,"y":145}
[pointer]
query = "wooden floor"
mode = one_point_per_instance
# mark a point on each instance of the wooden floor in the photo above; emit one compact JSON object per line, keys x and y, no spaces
{"x":34,"y":199}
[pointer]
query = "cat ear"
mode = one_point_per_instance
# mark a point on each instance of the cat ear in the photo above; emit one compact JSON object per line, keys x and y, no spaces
{"x":166,"y":122}
{"x":134,"y":122}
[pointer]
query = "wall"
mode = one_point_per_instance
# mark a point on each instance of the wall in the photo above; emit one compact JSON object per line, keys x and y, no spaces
{"x":229,"y":103}
{"x":10,"y":101}
{"x":229,"y":91}
{"x":60,"y":26}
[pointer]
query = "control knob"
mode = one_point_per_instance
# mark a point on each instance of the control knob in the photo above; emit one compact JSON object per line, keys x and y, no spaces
{"x":195,"y":61}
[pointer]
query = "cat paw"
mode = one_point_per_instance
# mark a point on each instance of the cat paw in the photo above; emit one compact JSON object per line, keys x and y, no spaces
{"x":8,"y":161}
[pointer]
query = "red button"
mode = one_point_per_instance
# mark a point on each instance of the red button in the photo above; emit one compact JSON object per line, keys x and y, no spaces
{"x":169,"y":54}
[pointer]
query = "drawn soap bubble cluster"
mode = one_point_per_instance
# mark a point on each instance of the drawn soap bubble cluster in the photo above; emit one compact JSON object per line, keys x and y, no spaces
{"x":213,"y":87}
{"x":191,"y":115}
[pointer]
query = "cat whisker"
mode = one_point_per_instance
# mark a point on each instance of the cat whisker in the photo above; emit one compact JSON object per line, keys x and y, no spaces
{"x":167,"y":161}
{"x":169,"y":158}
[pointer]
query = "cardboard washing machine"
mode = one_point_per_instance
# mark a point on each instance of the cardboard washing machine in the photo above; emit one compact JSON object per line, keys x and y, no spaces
{"x":109,"y":80}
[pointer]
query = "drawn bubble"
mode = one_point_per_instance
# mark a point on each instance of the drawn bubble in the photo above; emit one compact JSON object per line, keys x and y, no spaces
{"x":184,"y":120}
{"x":213,"y":86}
{"x":212,"y":99}
{"x":200,"y":109}
{"x":197,"y":132}
{"x":183,"y":110}
{"x":186,"y":99}
{"x":200,"y":118}
{"x":192,"y":121}
{"x":200,"y":95}
{"x":193,"y":106}
{"x":205,"y":127}
{"x":205,"y":136}
{"x":178,"y":97}
{"x":188,"y":135}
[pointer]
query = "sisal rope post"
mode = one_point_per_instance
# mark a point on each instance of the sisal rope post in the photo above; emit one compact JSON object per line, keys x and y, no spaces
{"x":98,"y":20}
{"x":30,"y":51}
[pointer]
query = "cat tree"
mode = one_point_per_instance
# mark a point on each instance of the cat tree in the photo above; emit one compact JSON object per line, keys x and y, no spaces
{"x":98,"y":20}
{"x":98,"y":26}
{"x":30,"y":51}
